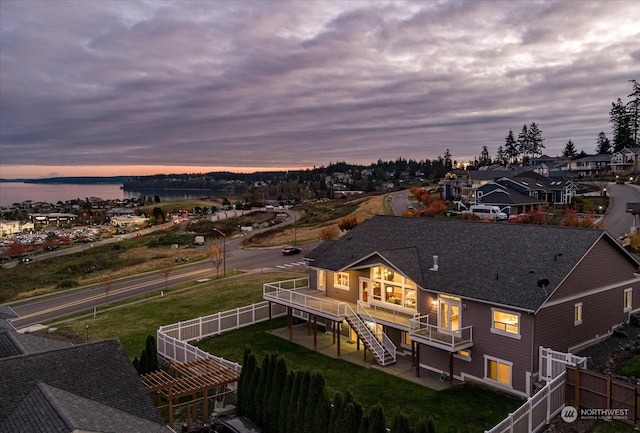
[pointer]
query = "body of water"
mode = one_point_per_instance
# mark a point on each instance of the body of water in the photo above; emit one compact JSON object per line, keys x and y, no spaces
{"x":17,"y":192}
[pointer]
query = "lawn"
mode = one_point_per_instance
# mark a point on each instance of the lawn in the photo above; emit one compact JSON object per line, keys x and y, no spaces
{"x":465,"y":408}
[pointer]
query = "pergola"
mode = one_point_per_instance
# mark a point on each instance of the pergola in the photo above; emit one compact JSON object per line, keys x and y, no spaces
{"x":202,"y":379}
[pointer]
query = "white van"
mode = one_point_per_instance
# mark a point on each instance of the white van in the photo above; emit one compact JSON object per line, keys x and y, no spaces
{"x":487,"y":212}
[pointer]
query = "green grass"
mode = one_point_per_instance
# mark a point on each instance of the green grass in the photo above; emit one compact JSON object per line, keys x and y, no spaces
{"x":631,"y":367}
{"x":131,"y":324}
{"x":465,"y":408}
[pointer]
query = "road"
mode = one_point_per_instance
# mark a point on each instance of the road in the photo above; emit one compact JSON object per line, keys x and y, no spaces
{"x":617,"y":221}
{"x":52,"y":307}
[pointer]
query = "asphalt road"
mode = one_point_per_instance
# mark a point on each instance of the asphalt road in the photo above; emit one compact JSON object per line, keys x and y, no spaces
{"x":617,"y":221}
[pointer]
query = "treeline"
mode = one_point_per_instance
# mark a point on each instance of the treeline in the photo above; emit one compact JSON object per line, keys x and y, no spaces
{"x":285,"y":401}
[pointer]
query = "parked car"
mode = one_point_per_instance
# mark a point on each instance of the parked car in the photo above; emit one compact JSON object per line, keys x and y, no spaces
{"x":291,"y":250}
{"x":236,"y":424}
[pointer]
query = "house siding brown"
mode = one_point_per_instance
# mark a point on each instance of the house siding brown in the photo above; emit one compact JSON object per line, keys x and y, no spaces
{"x":601,"y":295}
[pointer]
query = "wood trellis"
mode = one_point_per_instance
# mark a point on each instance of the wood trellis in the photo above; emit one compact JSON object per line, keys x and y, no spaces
{"x":189,"y":383}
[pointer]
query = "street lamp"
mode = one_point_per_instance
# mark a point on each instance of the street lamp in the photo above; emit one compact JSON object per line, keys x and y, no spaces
{"x":224,"y":253}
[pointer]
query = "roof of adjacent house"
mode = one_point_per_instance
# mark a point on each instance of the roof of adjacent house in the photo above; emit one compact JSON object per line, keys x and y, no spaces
{"x":91,"y":387}
{"x":498,"y":263}
{"x":504,"y":195}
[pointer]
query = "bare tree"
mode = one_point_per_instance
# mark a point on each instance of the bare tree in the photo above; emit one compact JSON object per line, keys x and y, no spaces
{"x":166,"y":268}
{"x":217,"y":256}
{"x":107,"y":283}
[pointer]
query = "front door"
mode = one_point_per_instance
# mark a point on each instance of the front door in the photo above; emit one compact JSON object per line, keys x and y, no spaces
{"x":449,"y":318}
{"x":365,"y":290}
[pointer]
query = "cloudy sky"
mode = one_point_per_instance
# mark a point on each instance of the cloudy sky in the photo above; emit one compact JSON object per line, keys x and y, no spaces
{"x":126,"y":87}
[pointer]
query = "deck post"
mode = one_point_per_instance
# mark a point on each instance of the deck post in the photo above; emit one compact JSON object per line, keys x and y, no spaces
{"x":333,"y":331}
{"x":417,"y":359}
{"x":315,"y":331}
{"x":413,"y":353}
{"x":451,"y":367}
{"x":338,"y":342}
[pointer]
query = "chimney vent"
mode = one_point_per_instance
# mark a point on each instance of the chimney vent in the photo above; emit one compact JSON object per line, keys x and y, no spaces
{"x":435,"y":264}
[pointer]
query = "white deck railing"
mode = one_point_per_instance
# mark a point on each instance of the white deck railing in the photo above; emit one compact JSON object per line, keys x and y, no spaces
{"x":290,"y":293}
{"x":422,"y":331}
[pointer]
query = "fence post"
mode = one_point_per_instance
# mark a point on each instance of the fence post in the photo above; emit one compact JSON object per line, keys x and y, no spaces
{"x":199,"y":328}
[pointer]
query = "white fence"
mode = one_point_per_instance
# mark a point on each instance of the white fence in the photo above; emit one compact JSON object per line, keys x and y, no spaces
{"x":538,"y":410}
{"x":173,"y":340}
{"x":552,"y":363}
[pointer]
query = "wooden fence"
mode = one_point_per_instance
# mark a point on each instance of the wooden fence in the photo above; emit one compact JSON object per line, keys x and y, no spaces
{"x":598,"y":396}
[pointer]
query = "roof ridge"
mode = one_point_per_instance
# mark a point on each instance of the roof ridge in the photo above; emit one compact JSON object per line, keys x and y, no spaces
{"x":45,"y":389}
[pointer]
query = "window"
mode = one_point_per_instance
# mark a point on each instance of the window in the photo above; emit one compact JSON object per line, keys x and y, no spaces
{"x":505,"y":323}
{"x":577,"y":314}
{"x":341,"y":280}
{"x":321,"y":279}
{"x":464,"y":355}
{"x":406,"y":340}
{"x":498,"y":370}
{"x":627,"y":299}
{"x":390,"y":287}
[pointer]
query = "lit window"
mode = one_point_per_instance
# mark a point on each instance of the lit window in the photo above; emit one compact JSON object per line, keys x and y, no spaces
{"x":505,"y":323}
{"x":577,"y":314}
{"x":463,"y":354}
{"x":321,"y":280}
{"x":627,"y":299}
{"x":406,"y":340}
{"x":341,"y":280}
{"x":498,"y":370}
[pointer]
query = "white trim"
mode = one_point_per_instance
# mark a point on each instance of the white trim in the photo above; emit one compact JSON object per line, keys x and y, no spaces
{"x":341,"y":286}
{"x":627,"y":308}
{"x":588,"y":293}
{"x":495,"y":381}
{"x":577,"y":307}
{"x":504,"y":332}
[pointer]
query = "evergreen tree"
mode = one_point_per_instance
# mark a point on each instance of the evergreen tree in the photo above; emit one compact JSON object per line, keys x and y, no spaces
{"x":283,"y":417}
{"x":603,"y":145}
{"x":316,"y":388}
{"x":351,"y":418}
{"x":621,"y":126}
{"x":336,"y":413}
{"x":261,"y":390}
{"x":633,"y":111}
{"x":501,"y":156}
{"x":484,"y":159}
{"x":250,"y":404}
{"x":400,"y":424}
{"x":293,"y":403}
{"x":569,"y":150}
{"x":302,"y":402}
{"x":511,"y":148}
{"x":364,"y":425}
{"x":535,"y":140}
{"x":244,"y":373}
{"x":322,"y":414}
{"x":377,"y":422}
{"x":524,"y":146}
{"x":274,"y":393}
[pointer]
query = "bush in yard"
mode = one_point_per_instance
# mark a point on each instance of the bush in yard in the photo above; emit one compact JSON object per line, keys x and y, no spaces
{"x":631,"y":367}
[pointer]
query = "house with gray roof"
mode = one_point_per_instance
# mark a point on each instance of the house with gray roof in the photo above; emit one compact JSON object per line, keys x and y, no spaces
{"x":51,"y":386}
{"x":510,"y":200}
{"x":470,"y":300}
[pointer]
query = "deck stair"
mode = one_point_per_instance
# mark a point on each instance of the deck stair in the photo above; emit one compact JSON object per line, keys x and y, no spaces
{"x":383,"y":350}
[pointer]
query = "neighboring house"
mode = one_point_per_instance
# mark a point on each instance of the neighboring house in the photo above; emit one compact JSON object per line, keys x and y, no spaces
{"x":550,"y":190}
{"x":626,"y":161}
{"x":511,"y":201}
{"x":470,"y":300}
{"x":590,"y":165}
{"x":56,"y":218}
{"x":10,"y":228}
{"x":50,"y":386}
{"x":128,"y":220}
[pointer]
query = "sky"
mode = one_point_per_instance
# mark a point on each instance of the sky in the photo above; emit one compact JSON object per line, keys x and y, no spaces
{"x":148,"y":87}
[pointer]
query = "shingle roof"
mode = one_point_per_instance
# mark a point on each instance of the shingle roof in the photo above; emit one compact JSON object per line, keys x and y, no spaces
{"x":47,"y":409}
{"x":500,"y":263}
{"x":99,"y":371}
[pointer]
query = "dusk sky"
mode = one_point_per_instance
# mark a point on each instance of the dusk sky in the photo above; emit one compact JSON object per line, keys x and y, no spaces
{"x":134,"y":88}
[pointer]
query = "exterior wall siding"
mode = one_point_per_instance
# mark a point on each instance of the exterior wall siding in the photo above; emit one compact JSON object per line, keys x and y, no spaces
{"x":503,"y":347}
{"x":602,"y":310}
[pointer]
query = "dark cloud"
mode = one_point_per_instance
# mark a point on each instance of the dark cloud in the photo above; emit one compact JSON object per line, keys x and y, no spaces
{"x":297,"y":83}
